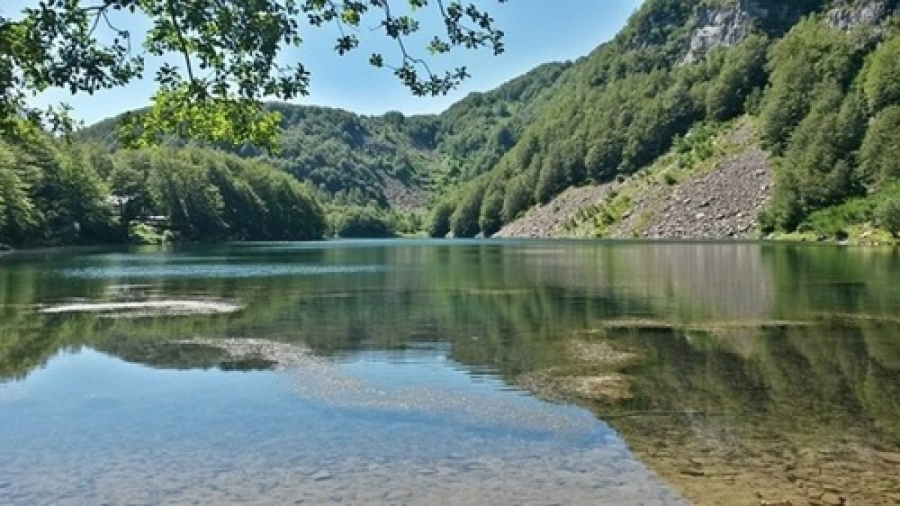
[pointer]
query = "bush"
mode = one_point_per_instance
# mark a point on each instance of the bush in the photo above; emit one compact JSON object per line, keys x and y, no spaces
{"x":490,"y":219}
{"x":359,"y":222}
{"x":887,"y":215}
{"x":439,"y":221}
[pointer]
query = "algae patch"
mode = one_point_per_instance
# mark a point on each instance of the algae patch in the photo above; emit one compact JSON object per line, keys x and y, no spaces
{"x":596,"y":375}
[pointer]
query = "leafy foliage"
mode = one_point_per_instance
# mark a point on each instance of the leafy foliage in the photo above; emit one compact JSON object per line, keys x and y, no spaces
{"x":50,"y":197}
{"x":230,"y":52}
{"x":882,"y":77}
{"x":363,"y":221}
{"x":211,"y":196}
{"x":880,"y":151}
{"x":823,"y":99}
{"x":82,"y":194}
{"x":888,"y":216}
{"x":741,"y":73}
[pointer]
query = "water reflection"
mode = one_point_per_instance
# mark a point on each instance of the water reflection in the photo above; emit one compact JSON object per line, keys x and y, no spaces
{"x":731,"y":370}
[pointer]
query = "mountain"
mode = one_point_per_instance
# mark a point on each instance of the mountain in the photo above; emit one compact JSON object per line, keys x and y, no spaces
{"x":811,"y":79}
{"x":393,"y":160}
{"x":810,"y":87}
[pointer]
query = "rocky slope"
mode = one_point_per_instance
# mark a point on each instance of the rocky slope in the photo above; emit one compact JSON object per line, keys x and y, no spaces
{"x":550,"y":220}
{"x":724,"y":203}
{"x":721,"y":198}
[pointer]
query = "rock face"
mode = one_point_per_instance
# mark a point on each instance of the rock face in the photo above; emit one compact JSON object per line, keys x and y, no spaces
{"x":850,"y":14}
{"x":719,"y":27}
{"x":728,"y":25}
{"x":723,"y":203}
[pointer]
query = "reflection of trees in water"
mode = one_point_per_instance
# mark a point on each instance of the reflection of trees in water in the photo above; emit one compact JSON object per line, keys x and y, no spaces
{"x":185,"y":355}
{"x":813,"y":404}
{"x":809,"y":380}
{"x":717,"y":281}
{"x":513,"y":308}
{"x":743,"y":395}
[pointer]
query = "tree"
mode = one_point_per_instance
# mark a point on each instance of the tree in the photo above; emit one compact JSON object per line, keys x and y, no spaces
{"x":517,"y":199}
{"x":439,"y":219}
{"x":229,"y":51}
{"x":880,"y":152}
{"x":743,"y":71}
{"x":811,"y":54}
{"x":464,"y":220}
{"x":490,"y":220}
{"x":18,"y":215}
{"x":882,"y":80}
{"x":359,"y":221}
{"x":888,"y":216}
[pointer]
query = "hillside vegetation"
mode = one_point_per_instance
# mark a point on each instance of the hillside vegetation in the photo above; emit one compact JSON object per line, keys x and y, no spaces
{"x":57,"y":193}
{"x":818,"y":79}
{"x":816,"y":82}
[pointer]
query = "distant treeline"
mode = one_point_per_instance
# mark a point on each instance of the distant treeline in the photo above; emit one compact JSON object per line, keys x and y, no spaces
{"x":54,"y":192}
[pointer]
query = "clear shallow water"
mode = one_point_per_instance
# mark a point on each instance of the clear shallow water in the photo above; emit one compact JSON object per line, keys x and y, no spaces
{"x":89,"y":428}
{"x":396,"y":372}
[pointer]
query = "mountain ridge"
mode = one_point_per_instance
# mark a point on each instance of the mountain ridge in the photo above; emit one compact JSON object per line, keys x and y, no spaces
{"x":675,"y":67}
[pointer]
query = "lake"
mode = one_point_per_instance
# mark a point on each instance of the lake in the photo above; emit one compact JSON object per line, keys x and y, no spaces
{"x":451,"y":372}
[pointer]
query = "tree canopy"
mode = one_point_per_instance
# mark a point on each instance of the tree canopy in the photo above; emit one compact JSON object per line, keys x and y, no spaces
{"x":228,"y":53}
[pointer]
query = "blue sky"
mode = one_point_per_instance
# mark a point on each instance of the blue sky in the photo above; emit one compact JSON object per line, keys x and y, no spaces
{"x":537,"y":31}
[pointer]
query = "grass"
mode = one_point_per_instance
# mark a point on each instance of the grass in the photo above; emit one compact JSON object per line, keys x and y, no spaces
{"x":856,"y":221}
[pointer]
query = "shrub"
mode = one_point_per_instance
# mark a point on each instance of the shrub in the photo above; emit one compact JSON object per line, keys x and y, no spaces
{"x":887,"y":215}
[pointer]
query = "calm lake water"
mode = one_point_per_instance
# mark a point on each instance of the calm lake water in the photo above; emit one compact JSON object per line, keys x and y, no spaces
{"x":451,"y":372}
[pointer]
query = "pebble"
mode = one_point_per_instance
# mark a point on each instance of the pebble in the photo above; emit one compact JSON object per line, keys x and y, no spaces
{"x":397,"y":494}
{"x":321,"y":476}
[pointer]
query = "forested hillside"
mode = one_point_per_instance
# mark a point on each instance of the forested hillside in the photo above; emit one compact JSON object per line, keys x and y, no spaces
{"x":393,"y":160}
{"x":817,"y":82}
{"x":817,"y":78}
{"x":54,"y":192}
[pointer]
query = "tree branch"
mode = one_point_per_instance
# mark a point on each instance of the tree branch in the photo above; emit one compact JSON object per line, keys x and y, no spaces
{"x":181,"y":40}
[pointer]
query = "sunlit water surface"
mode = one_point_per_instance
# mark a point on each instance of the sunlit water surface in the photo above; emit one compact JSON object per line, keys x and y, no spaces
{"x":374,"y":372}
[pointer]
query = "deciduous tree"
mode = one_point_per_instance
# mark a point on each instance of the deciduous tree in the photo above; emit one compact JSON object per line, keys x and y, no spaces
{"x":228,"y":53}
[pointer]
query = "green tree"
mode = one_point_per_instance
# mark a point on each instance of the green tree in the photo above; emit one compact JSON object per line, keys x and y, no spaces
{"x":817,"y":168}
{"x":359,"y":221}
{"x":229,"y":51}
{"x":810,"y":54}
{"x":554,"y":178}
{"x":490,"y":218}
{"x":882,"y":76}
{"x":880,"y":152}
{"x":464,"y":220}
{"x":743,"y":71}
{"x":517,"y":199}
{"x":18,"y":215}
{"x":183,"y":192}
{"x":439,"y":218}
{"x":888,"y":216}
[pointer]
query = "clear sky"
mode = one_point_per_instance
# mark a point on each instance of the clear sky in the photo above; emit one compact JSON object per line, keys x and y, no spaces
{"x":537,"y":31}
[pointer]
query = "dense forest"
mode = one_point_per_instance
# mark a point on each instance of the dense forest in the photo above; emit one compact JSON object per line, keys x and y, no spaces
{"x":55,"y":192}
{"x":818,"y":79}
